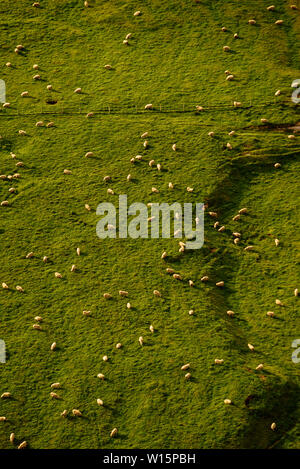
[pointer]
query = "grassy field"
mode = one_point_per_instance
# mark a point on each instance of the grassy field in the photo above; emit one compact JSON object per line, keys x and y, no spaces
{"x":176,"y":61}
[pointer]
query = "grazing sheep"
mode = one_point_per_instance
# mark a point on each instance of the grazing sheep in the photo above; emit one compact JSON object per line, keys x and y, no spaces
{"x":226,"y":48}
{"x":20,"y":47}
{"x":271,"y":8}
{"x":264,"y":121}
{"x":4,"y":203}
{"x":220,"y":284}
{"x":5,"y":286}
{"x":77,"y":90}
{"x":78,"y":251}
{"x":224,"y":29}
{"x":53,"y":346}
{"x":170,"y":271}
{"x":216,"y":224}
{"x":151,"y":163}
{"x":39,"y":124}
{"x":86,"y":313}
{"x":294,"y":7}
{"x":190,"y":189}
{"x":170,"y":185}
{"x":128,"y":36}
{"x":90,"y":114}
{"x":38,"y":318}
{"x":86,"y":4}
{"x":36,"y":5}
{"x":12,"y":437}
{"x":291,"y":137}
{"x":37,"y":327}
{"x":141,"y":340}
{"x":145,"y":143}
{"x":211,"y":134}
{"x":137,"y":13}
{"x":105,"y":358}
{"x":6,"y":395}
{"x":128,"y":305}
{"x":53,"y":395}
{"x":273,"y":426}
{"x":277,"y":165}
{"x":252,"y":22}
{"x":236,"y":217}
{"x":129,"y":177}
{"x":231,"y":133}
{"x":296,"y":292}
{"x":219,"y":361}
{"x":57,"y":275}
{"x":191,"y":312}
{"x":221,"y":229}
{"x":230,"y":77}
{"x":199,"y":108}
{"x":251,"y":347}
{"x":36,"y":77}
{"x":107,"y":178}
{"x":177,"y":277}
{"x":22,"y":445}
{"x":204,"y":279}
{"x":149,"y":106}
{"x":50,"y":124}
{"x":236,"y":240}
{"x":279,"y":22}
{"x":87,"y":207}
{"x":191,"y":283}
{"x":164,"y":255}
{"x":22,"y":132}
{"x":230,"y":313}
{"x":20,"y":164}
{"x":49,"y":87}
{"x":73,"y":268}
{"x":8,"y":64}
{"x":67,"y":171}
{"x":107,"y":296}
{"x":227,"y":401}
{"x":108,"y":67}
{"x":64,"y":413}
{"x":279,"y":303}
{"x":76,"y":413}
{"x":123,"y":293}
{"x":113,"y":432}
{"x":5,"y":105}
{"x":151,"y":328}
{"x":237,"y":103}
{"x":55,"y":386}
{"x":277,"y":93}
{"x":99,"y":402}
{"x":154,"y":190}
{"x":89,"y":154}
{"x":45,"y":259}
{"x":118,"y":345}
{"x":185,"y":367}
{"x":158,"y":167}
{"x":24,"y":93}
{"x":276,"y":242}
{"x":188,"y":376}
{"x":242,"y":211}
{"x":126,"y":42}
{"x":19,"y":288}
{"x":249,"y":248}
{"x":236,"y":36}
{"x":259,"y":367}
{"x":29,"y":255}
{"x":270,"y":314}
{"x":2,"y":419}
{"x":100,"y":376}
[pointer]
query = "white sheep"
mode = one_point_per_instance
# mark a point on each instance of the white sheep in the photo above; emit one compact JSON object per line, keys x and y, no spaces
{"x":151,"y":328}
{"x":76,"y":413}
{"x":219,"y":361}
{"x":22,"y":445}
{"x":105,"y":358}
{"x":149,"y":106}
{"x":259,"y":367}
{"x":118,"y":345}
{"x":12,"y":437}
{"x":100,"y":376}
{"x":252,"y":22}
{"x":141,"y":340}
{"x":55,"y":386}
{"x":37,"y":327}
{"x":271,"y":314}
{"x":108,"y":67}
{"x":296,"y":292}
{"x":188,"y":376}
{"x":251,"y":347}
{"x":230,"y":313}
{"x":67,"y":171}
{"x":277,"y":165}
{"x":107,"y":296}
{"x":99,"y":402}
{"x":277,"y":93}
{"x":8,"y":64}
{"x":77,"y":90}
{"x":6,"y":395}
{"x":279,"y":22}
{"x":278,"y":302}
{"x":137,"y":13}
{"x":54,"y":395}
{"x":226,"y":48}
{"x":220,"y":284}
{"x":123,"y":293}
{"x":49,"y":87}
{"x":227,"y":401}
{"x":53,"y":346}
{"x":90,"y":114}
{"x":2,"y":419}
{"x":273,"y":426}
{"x":271,"y":8}
{"x":113,"y":432}
{"x":204,"y":279}
{"x":185,"y":367}
{"x":39,"y":124}
{"x":57,"y":275}
{"x":89,"y":154}
{"x":36,"y":77}
{"x":5,"y":105}
{"x":5,"y":286}
{"x":73,"y":268}
{"x":20,"y":289}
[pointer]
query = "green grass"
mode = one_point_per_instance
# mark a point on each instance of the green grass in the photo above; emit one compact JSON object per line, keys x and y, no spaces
{"x":174,"y":58}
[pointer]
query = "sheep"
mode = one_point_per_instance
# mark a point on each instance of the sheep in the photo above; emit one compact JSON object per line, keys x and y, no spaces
{"x":24,"y":93}
{"x":227,"y":401}
{"x":137,"y":13}
{"x":55,"y":386}
{"x":128,"y":305}
{"x":123,"y":293}
{"x":154,"y":190}
{"x":141,"y":340}
{"x":107,"y":178}
{"x":39,"y":124}
{"x":191,"y":283}
{"x":221,"y":229}
{"x":38,"y":318}
{"x":158,"y":167}
{"x":29,"y":255}
{"x":20,"y":164}
{"x":53,"y":346}
{"x":277,"y":165}
{"x":145,"y":143}
{"x":220,"y":284}
{"x":3,"y":176}
{"x":73,"y":268}
{"x":211,"y":134}
{"x":226,"y":48}
{"x":230,"y":313}
{"x":190,"y":189}
{"x":291,"y":137}
{"x":169,"y":271}
{"x":90,"y":114}
{"x":45,"y":259}
{"x":236,"y":234}
{"x":277,"y":93}
{"x":107,"y":296}
{"x":78,"y":252}
{"x":264,"y":120}
{"x":5,"y":286}
{"x":237,"y":103}
{"x":36,"y":4}
{"x":294,"y":7}
{"x":252,"y":22}
{"x":236,"y":36}
{"x":57,"y":275}
{"x":185,"y":367}
{"x":108,"y":67}
{"x":279,"y":22}
{"x":128,"y":36}
{"x":86,"y":313}
{"x":231,"y":133}
{"x":276,"y":242}
{"x":99,"y":402}
{"x":149,"y":106}
{"x":16,"y":50}
{"x":126,"y":42}
{"x":113,"y":432}
{"x":8,"y":64}
{"x":230,"y":77}
{"x":37,"y":327}
{"x":12,"y":437}
{"x":249,"y":248}
{"x":151,"y":163}
{"x":224,"y":29}
{"x":36,"y":77}
{"x":89,"y":154}
{"x":53,"y":395}
{"x":105,"y":358}
{"x":22,"y":132}
{"x":204,"y":279}
{"x":87,"y":207}
{"x":174,"y":147}
{"x":242,"y":211}
{"x":251,"y":347}
{"x":64,"y":413}
{"x":271,"y":8}
{"x":219,"y":361}
{"x":236,"y":240}
{"x":22,"y":445}
{"x":278,"y":302}
{"x":4,"y":203}
{"x":157,"y":293}
{"x":129,"y":177}
{"x":118,"y":345}
{"x":273,"y":426}
{"x":151,"y":328}
{"x":16,"y":176}
{"x":199,"y":108}
{"x":100,"y":376}
{"x":296,"y":292}
{"x":77,"y":90}
{"x":49,"y":87}
{"x":86,"y":4}
{"x":6,"y":395}
{"x":164,"y":255}
{"x":20,"y":47}
{"x":259,"y":367}
{"x":191,"y":312}
{"x":270,"y":314}
{"x":216,"y":224}
{"x":187,"y":375}
{"x":177,"y":277}
{"x":76,"y":413}
{"x":50,"y":124}
{"x":67,"y":171}
{"x":20,"y":289}
{"x":5,"y":105}
{"x":2,"y":419}
{"x":171,"y":185}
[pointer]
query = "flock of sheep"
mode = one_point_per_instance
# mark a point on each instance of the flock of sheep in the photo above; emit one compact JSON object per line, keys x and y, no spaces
{"x":236,"y":235}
